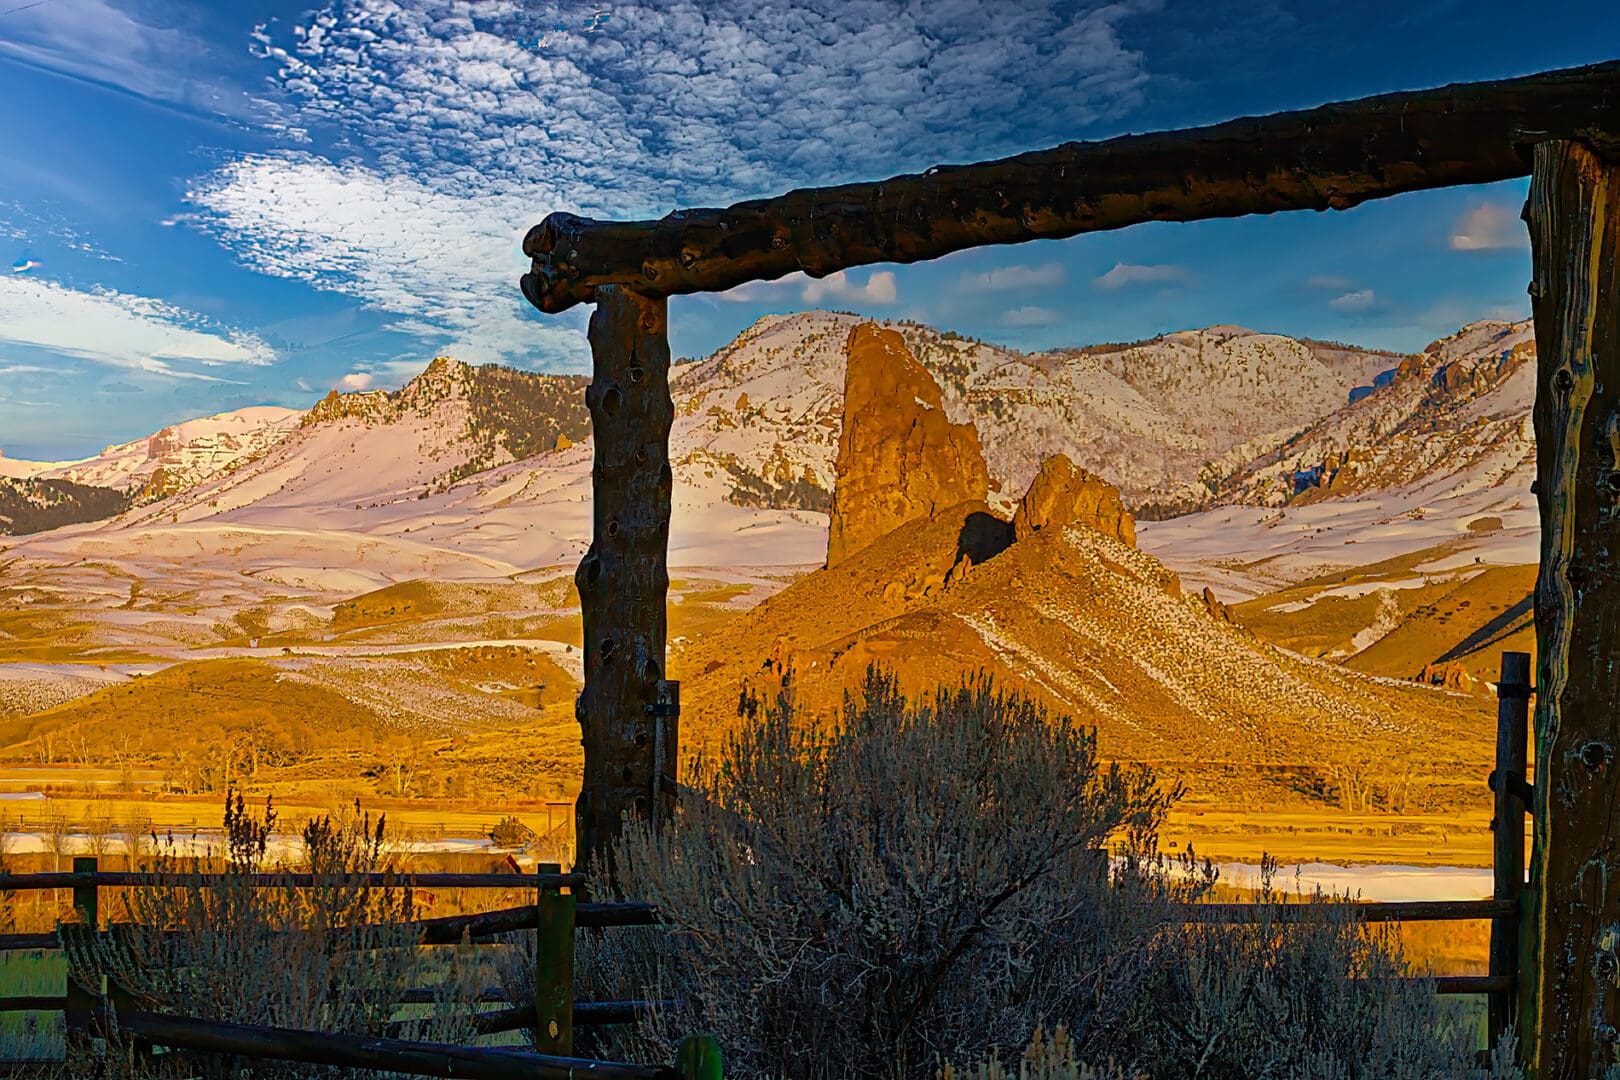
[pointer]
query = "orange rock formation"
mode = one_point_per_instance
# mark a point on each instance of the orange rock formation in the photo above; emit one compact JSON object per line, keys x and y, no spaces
{"x":899,"y":456}
{"x":1064,"y":494}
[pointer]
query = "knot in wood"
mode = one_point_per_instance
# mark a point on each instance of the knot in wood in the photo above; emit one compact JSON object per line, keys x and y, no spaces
{"x":637,"y":374}
{"x":649,"y":321}
{"x":649,"y":271}
{"x":608,"y":648}
{"x":1563,"y":380}
{"x":1612,"y":481}
{"x":612,"y":401}
{"x":1596,"y":754}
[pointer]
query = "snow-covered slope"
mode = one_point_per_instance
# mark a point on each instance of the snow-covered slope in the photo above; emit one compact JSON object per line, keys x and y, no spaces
{"x":176,"y":457}
{"x":1442,"y":453}
{"x":490,"y":463}
{"x":767,"y":408}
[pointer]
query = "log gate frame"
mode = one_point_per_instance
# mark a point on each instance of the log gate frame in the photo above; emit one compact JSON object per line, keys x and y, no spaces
{"x":1561,"y":128}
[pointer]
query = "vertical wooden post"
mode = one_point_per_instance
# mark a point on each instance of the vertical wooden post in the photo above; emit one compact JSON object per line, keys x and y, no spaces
{"x":81,"y":1000}
{"x":1574,"y":218}
{"x":624,"y":578}
{"x":698,"y":1058}
{"x":1509,"y":782}
{"x":554,"y":969}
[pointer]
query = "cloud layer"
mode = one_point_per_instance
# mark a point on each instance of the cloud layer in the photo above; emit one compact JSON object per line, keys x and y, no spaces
{"x":119,"y":330}
{"x":451,"y":132}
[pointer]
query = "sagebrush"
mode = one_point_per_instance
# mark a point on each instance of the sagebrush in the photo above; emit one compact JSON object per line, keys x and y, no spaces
{"x":910,"y":884}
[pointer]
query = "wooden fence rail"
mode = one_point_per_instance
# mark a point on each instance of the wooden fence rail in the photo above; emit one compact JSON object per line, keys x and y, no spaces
{"x":555,"y":915}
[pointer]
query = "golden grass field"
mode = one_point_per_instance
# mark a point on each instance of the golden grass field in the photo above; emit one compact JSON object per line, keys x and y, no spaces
{"x":450,"y":705}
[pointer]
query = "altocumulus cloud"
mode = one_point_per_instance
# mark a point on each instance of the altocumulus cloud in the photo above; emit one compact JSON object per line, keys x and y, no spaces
{"x":470,"y":136}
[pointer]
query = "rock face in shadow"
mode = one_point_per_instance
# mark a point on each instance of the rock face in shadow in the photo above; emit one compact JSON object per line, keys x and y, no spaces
{"x":1062,"y":493}
{"x":899,"y":456}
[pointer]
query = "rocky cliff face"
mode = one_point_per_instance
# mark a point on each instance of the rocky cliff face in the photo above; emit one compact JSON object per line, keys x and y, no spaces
{"x":899,"y":456}
{"x":1064,"y":494}
{"x":1458,"y":413}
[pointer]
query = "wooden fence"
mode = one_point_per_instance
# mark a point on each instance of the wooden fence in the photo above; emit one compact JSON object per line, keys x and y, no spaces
{"x":552,"y":1016}
{"x":556,"y":914}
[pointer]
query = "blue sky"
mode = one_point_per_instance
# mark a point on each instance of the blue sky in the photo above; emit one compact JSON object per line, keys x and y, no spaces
{"x":217,"y":204}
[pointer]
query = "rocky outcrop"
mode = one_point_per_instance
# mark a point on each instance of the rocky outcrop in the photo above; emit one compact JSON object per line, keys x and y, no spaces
{"x":1062,"y":493}
{"x":899,"y":456}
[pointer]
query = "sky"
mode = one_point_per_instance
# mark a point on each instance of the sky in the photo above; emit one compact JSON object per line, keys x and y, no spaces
{"x":209,"y":205}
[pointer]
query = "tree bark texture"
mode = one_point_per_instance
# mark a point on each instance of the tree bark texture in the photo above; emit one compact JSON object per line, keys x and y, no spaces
{"x":624,"y":578}
{"x":1574,"y":217}
{"x":1332,"y":157}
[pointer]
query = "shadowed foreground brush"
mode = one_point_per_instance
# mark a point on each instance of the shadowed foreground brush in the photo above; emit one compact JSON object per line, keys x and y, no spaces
{"x":332,"y":957}
{"x":912,"y":884}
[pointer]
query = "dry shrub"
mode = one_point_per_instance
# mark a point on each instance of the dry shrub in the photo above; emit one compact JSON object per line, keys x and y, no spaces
{"x":919,"y":883}
{"x":1048,"y":1057}
{"x":333,"y":957}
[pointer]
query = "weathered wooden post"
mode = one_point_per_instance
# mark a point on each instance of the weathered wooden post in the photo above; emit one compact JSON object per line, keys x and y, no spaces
{"x":1513,"y":796}
{"x":81,"y":999}
{"x":1574,"y":218}
{"x":554,"y":969}
{"x":624,"y":578}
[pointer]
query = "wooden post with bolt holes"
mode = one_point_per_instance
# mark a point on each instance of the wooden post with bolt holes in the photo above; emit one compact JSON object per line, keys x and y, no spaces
{"x":82,"y":1000}
{"x":1510,"y":783}
{"x":554,"y":969}
{"x":624,"y":578}
{"x":1574,"y":981}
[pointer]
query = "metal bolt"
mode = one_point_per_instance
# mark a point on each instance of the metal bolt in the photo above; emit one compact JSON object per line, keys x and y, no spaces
{"x":553,"y":1029}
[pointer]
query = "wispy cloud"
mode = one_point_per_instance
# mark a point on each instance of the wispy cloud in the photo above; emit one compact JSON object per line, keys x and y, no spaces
{"x":1029,"y":315}
{"x":120,"y":330}
{"x":1489,"y":227}
{"x":161,"y":53}
{"x":879,"y":288}
{"x":1126,"y":275}
{"x":1354,"y":303}
{"x":1017,"y":276}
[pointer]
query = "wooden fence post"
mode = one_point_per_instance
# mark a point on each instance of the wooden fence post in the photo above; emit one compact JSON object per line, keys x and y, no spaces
{"x":82,"y":1000}
{"x":1574,"y":218}
{"x":554,"y":969}
{"x":698,"y":1058}
{"x":1510,"y":783}
{"x":624,"y":578}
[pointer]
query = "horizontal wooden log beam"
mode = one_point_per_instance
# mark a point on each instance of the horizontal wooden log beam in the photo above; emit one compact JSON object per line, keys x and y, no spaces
{"x":1390,"y":911}
{"x":364,"y":1052}
{"x":1332,"y":157}
{"x":116,"y":879}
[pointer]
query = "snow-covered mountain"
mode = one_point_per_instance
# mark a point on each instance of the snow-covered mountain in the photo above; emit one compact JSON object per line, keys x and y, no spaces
{"x":174,"y":458}
{"x":766,"y":409}
{"x":1442,"y":452}
{"x":494,"y":464}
